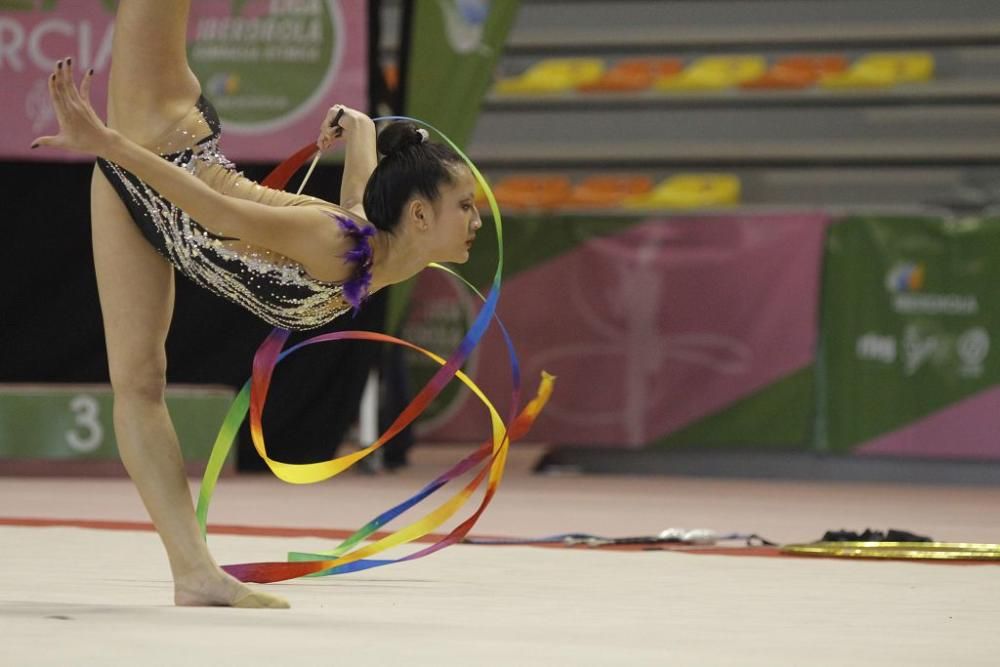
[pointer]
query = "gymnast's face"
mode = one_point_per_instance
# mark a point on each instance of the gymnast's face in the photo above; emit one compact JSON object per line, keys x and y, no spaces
{"x":455,"y":219}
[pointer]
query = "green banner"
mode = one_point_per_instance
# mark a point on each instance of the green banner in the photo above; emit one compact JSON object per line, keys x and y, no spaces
{"x":260,"y":67}
{"x":778,"y":417}
{"x":74,"y":422}
{"x":454,"y":48}
{"x":908,"y":309}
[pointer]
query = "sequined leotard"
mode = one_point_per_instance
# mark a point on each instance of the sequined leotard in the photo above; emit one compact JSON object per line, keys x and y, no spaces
{"x":274,"y":288}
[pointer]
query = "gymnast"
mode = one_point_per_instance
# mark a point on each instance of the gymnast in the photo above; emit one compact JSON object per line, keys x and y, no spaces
{"x":295,"y":261}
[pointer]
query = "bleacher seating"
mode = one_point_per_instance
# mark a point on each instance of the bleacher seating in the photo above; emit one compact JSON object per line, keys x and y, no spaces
{"x":853,"y":104}
{"x":557,"y":192}
{"x":690,"y":191}
{"x":797,"y":72}
{"x":554,"y":75}
{"x":633,"y":75}
{"x":533,"y":191}
{"x":883,"y":70}
{"x":715,"y":73}
{"x":720,"y":73}
{"x":608,"y":190}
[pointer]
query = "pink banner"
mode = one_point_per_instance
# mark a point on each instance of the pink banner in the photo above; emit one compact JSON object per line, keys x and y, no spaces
{"x":964,"y":430}
{"x":648,"y":330}
{"x":271,"y":67}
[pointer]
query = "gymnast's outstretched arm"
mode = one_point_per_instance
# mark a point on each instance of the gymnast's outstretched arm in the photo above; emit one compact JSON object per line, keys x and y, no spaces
{"x":303,"y":234}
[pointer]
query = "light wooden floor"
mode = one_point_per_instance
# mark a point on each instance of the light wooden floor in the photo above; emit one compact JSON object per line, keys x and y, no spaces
{"x":73,"y":596}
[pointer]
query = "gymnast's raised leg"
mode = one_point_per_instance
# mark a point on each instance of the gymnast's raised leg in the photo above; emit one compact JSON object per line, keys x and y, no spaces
{"x":151,"y":89}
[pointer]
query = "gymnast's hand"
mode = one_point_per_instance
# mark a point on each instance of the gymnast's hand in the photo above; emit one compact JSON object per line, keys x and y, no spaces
{"x":340,"y":122}
{"x":80,"y":128}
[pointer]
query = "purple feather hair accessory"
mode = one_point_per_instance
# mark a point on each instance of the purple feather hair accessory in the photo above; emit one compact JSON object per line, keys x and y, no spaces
{"x":356,"y":288}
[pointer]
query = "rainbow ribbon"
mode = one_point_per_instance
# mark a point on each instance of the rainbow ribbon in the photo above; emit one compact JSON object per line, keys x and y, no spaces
{"x":493,"y":452}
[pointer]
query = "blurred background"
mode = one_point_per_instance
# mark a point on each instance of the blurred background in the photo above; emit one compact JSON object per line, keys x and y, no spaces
{"x":750,"y":237}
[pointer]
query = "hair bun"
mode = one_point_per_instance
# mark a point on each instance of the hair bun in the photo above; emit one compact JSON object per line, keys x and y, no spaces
{"x":399,"y":136}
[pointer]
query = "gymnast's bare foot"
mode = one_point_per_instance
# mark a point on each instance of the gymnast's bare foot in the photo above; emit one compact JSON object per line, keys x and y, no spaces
{"x":215,"y":588}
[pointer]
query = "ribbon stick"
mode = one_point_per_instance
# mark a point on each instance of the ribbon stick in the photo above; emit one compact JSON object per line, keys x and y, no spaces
{"x":491,"y":455}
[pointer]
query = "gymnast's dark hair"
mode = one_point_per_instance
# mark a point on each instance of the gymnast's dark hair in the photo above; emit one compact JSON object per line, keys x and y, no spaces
{"x":410,"y":166}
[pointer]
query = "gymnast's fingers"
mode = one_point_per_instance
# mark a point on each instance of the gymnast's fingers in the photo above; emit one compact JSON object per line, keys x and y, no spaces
{"x":69,"y":81}
{"x":336,"y":119}
{"x":62,"y":73}
{"x":61,"y":107}
{"x":55,"y":94}
{"x":73,"y":96}
{"x":334,"y":114}
{"x":70,"y":92}
{"x":58,"y":98}
{"x":338,"y":129}
{"x":85,"y":87}
{"x":57,"y":87}
{"x":56,"y":105}
{"x":45,"y":141}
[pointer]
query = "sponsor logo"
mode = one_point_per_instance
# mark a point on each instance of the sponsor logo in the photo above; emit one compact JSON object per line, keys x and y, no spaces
{"x":267,"y":64}
{"x":464,"y":23}
{"x":905,"y":281}
{"x":224,"y":84}
{"x":918,"y":349}
{"x":973,"y":346}
{"x":906,"y":277}
{"x":875,"y":347}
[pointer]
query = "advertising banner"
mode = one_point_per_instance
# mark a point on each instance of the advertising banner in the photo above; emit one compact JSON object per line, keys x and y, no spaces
{"x":650,"y":326}
{"x":909,"y":317}
{"x":455,"y":45}
{"x":74,"y":422}
{"x":909,"y":365}
{"x":271,"y":67}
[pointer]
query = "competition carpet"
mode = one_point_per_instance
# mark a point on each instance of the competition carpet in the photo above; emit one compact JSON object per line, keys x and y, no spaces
{"x":83,"y":579}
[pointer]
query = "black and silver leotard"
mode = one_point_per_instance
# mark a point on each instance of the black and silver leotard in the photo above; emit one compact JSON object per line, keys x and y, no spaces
{"x":271,"y":286}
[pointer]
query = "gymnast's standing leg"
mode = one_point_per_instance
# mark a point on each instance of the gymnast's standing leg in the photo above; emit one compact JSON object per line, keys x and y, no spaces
{"x":151,"y":88}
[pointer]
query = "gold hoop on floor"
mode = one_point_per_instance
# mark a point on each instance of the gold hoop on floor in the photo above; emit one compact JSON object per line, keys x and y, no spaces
{"x":897,"y":550}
